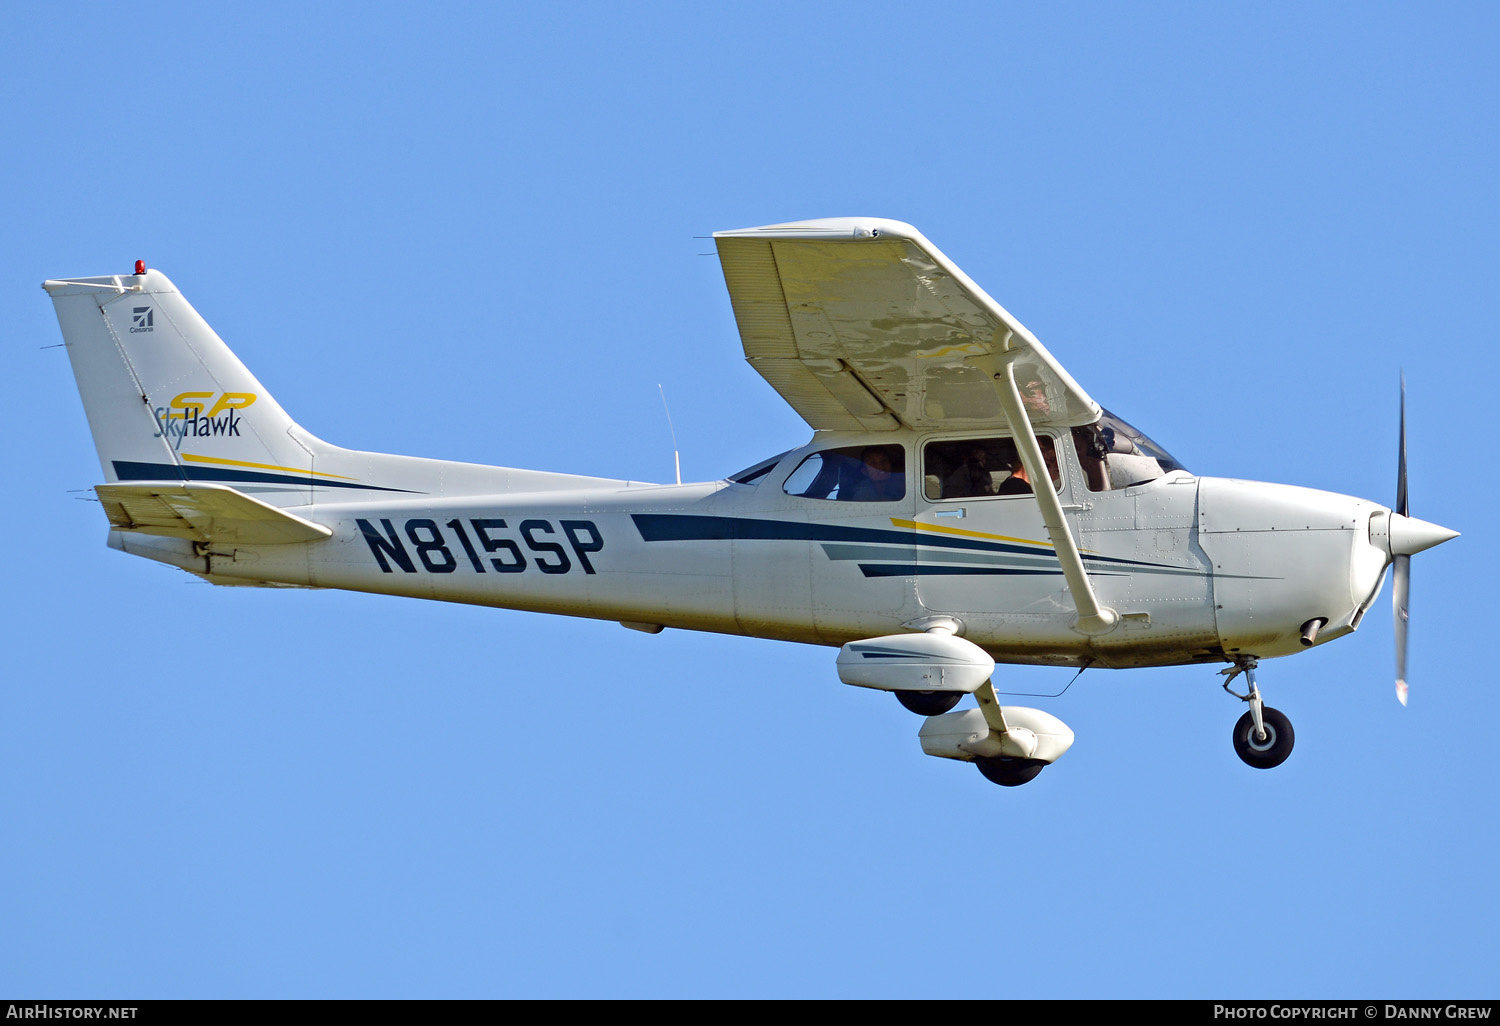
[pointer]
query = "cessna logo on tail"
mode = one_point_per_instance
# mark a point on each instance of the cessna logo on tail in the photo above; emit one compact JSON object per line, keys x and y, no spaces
{"x":142,"y":318}
{"x":185,"y":415}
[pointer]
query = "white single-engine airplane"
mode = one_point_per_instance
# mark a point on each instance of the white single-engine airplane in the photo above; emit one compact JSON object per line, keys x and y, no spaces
{"x":962,"y":501}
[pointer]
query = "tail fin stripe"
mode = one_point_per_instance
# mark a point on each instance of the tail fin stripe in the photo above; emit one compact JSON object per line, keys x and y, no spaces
{"x":126,"y":470}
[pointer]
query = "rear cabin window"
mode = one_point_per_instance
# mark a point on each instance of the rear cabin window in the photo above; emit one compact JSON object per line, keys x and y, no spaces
{"x":856,"y":473}
{"x":975,"y":467}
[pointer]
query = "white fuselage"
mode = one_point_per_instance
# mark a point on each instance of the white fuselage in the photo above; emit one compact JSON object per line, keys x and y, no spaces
{"x":962,"y":501}
{"x":1201,"y":569}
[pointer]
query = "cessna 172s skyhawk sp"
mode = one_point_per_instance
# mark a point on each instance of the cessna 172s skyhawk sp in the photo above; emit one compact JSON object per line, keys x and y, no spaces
{"x":962,"y":501}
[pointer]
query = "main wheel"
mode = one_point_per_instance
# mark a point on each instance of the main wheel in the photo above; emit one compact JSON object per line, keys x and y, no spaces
{"x":1009,"y":772}
{"x":1263,"y":754}
{"x":929,"y":703}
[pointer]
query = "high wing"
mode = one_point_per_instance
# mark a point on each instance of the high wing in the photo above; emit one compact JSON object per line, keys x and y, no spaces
{"x":862,"y":324}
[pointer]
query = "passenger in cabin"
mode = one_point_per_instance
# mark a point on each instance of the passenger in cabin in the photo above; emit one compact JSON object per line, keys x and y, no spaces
{"x":1019,"y":483}
{"x":879,"y":481}
{"x":974,"y":476}
{"x":1092,"y":446}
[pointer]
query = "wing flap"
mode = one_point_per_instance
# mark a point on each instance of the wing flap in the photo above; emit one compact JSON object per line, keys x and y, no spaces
{"x":826,"y":393}
{"x":889,"y":330}
{"x":202,"y":513}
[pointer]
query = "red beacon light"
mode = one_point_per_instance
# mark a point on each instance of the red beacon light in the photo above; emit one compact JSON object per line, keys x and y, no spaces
{"x":140,"y":267}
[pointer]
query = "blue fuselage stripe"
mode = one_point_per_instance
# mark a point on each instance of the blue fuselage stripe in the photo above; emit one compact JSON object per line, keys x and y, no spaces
{"x":688,"y":527}
{"x":655,"y":527}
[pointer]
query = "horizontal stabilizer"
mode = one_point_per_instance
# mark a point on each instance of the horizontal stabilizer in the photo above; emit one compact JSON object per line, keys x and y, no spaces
{"x":203,"y":513}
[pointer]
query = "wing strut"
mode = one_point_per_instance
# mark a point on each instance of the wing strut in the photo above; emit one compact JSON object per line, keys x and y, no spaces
{"x":1092,"y":617}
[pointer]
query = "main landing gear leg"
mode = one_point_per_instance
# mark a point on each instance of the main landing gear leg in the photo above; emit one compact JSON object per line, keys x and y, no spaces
{"x":1263,"y":737}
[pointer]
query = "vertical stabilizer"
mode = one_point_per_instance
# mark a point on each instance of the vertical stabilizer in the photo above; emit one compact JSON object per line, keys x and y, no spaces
{"x":166,"y":398}
{"x":168,"y":402}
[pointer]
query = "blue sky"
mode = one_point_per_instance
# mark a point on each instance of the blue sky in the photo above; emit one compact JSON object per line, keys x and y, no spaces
{"x":474,"y":232}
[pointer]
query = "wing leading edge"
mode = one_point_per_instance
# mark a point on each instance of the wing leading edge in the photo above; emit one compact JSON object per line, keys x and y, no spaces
{"x":862,"y":324}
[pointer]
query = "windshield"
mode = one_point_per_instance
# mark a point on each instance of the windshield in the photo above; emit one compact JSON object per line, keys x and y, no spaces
{"x":1116,"y":455}
{"x":752,"y":474}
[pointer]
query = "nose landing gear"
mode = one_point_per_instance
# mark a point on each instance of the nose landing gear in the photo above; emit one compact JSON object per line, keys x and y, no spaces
{"x":1263,"y":737}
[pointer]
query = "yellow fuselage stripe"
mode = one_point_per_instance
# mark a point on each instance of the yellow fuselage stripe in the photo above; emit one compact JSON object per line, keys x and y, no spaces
{"x":945,"y":529}
{"x":259,"y":466}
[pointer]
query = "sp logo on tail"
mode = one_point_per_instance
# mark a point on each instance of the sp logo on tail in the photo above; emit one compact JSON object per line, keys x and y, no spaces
{"x":201,"y":415}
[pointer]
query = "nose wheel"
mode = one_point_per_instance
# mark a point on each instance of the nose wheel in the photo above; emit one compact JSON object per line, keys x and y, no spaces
{"x":1265,"y":748}
{"x":1263,"y":737}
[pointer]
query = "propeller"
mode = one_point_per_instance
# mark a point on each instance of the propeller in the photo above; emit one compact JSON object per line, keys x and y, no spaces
{"x":1406,"y":537}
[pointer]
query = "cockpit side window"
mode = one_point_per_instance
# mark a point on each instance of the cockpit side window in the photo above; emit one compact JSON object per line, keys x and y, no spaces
{"x":1115,"y":455}
{"x":856,"y":473}
{"x":975,"y":467}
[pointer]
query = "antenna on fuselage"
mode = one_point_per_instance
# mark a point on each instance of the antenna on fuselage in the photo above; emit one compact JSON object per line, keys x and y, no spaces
{"x":676,"y":456}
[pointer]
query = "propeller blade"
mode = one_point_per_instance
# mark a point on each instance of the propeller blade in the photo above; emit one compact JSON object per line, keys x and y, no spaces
{"x":1401,"y":504}
{"x":1407,"y":536}
{"x":1400,"y":596}
{"x":1401,"y":575}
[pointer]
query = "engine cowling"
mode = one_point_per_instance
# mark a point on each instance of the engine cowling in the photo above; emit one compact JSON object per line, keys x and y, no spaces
{"x":931,"y":661}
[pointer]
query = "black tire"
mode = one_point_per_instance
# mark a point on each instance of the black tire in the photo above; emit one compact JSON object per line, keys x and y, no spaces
{"x":1274,"y":749}
{"x":1009,"y":772}
{"x":929,"y":703}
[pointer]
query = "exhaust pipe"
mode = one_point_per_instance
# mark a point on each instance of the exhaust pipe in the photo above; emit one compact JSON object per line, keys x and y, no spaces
{"x":1311,"y":628}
